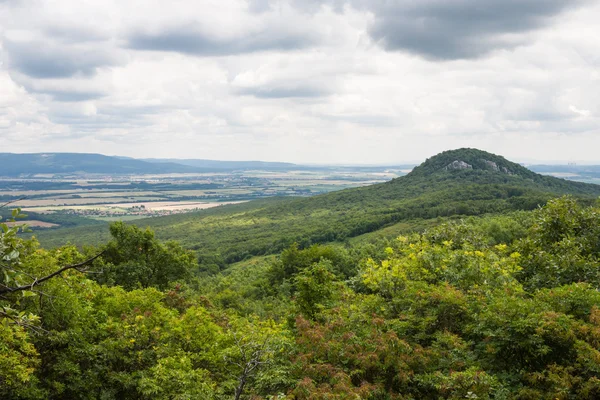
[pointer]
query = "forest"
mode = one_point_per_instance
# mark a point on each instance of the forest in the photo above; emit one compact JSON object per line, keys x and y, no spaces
{"x":476,"y":282}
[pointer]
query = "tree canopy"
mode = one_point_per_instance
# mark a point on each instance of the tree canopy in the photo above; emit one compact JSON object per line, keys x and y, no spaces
{"x":493,"y":307}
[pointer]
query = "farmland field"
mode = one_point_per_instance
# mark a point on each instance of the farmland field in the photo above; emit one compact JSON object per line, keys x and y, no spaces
{"x":33,"y":224}
{"x":52,"y":200}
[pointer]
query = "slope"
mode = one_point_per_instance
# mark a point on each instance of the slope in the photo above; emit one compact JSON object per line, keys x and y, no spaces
{"x":457,"y":182}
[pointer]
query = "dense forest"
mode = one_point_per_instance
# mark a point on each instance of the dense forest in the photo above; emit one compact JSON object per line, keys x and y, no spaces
{"x":471,"y":277}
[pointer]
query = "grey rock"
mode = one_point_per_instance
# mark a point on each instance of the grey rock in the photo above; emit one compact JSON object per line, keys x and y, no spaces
{"x":457,"y":164}
{"x":491,"y":165}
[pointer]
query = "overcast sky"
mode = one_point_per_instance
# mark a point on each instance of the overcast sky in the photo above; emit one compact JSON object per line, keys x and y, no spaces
{"x":357,"y":81}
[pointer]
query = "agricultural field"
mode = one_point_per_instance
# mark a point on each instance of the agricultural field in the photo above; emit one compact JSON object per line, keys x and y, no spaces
{"x":49,"y":200}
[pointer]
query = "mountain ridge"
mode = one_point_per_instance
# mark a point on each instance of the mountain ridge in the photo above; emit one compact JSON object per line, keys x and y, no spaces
{"x":25,"y":164}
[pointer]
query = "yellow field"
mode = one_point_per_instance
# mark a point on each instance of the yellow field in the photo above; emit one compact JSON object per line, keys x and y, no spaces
{"x":32,"y":223}
{"x":149,"y":206}
{"x":173,"y":205}
{"x":72,"y":202}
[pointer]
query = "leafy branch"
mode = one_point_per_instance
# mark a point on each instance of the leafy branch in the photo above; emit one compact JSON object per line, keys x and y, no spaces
{"x":38,"y":281}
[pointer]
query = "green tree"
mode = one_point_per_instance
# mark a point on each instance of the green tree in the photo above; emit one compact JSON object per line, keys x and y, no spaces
{"x":315,"y":287}
{"x":135,"y":258}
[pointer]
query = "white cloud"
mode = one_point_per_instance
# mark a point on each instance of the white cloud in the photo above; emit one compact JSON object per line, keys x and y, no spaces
{"x":583,"y":113}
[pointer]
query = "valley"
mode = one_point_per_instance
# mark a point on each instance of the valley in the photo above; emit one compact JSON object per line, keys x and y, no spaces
{"x":90,"y":197}
{"x":462,"y":278}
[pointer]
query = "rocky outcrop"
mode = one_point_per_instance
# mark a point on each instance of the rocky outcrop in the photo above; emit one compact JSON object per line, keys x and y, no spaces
{"x":457,"y":164}
{"x":491,"y":165}
{"x":480,"y":164}
{"x":495,"y":167}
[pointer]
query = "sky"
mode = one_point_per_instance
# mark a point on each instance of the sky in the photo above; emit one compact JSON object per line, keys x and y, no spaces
{"x":307,"y":81}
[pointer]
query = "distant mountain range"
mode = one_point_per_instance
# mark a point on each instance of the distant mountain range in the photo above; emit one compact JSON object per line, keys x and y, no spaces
{"x":15,"y":165}
{"x":28,"y":164}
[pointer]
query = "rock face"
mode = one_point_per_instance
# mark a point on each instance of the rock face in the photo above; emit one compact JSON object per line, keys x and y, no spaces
{"x":494,"y":167}
{"x":479,"y":164}
{"x":457,"y":164}
{"x":491,"y":165}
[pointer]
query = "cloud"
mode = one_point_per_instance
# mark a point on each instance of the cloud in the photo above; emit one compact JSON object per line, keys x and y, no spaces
{"x":44,"y":59}
{"x":194,"y":42}
{"x":461,"y":29}
{"x":73,"y":96}
{"x":582,"y":113}
{"x":61,"y":89}
{"x":451,"y":29}
{"x":282,"y":92}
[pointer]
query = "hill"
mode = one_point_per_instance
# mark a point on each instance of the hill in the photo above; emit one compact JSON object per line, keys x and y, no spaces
{"x":14,"y":165}
{"x":454,"y":183}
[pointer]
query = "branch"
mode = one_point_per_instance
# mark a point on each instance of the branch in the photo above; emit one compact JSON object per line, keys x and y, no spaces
{"x":12,"y":201}
{"x":38,"y":281}
{"x":34,"y":328}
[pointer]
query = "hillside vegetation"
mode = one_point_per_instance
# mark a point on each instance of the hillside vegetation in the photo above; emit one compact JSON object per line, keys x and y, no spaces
{"x":489,"y":299}
{"x":454,"y":183}
{"x":495,"y":307}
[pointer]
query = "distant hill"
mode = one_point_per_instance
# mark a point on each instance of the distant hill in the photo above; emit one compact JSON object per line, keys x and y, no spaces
{"x":454,"y":183}
{"x":14,"y":165}
{"x":477,"y":166}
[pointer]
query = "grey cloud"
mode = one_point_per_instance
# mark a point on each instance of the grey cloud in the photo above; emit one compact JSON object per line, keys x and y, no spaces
{"x":59,"y":90}
{"x":441,"y":29}
{"x":258,"y":6}
{"x":282,"y":92}
{"x":84,"y":124}
{"x":312,"y":6}
{"x":127,"y":116}
{"x":196,"y":43}
{"x":452,"y":29}
{"x":73,"y":96}
{"x":364,"y":119}
{"x":48,"y":60}
{"x":75,"y":34}
{"x":463,"y":29}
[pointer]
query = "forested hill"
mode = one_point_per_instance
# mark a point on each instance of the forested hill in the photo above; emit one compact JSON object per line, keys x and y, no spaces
{"x":471,"y":165}
{"x":458,"y":182}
